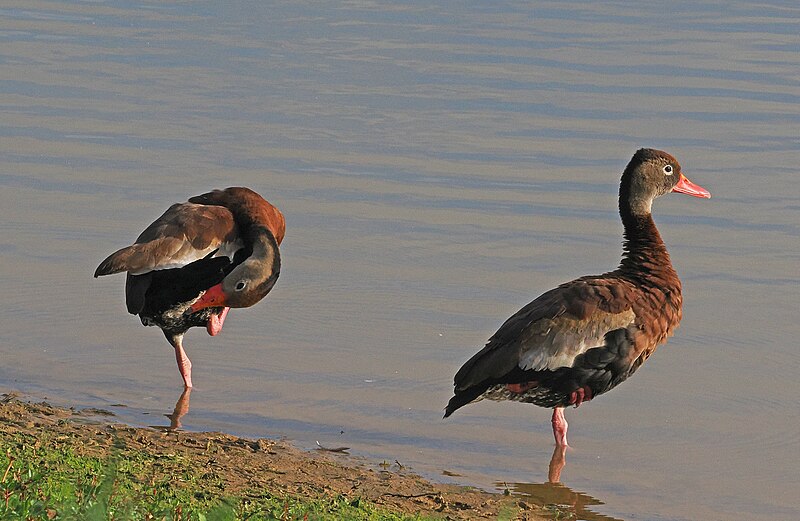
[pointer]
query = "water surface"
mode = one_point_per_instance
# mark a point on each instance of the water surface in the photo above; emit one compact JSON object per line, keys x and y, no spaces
{"x":439,"y":166}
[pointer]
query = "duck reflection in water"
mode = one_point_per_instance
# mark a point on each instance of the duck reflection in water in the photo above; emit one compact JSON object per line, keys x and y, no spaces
{"x":557,"y":462}
{"x":554,"y":495}
{"x":181,"y":409}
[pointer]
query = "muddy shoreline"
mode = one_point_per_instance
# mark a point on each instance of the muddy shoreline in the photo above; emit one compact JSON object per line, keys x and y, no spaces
{"x":265,"y":463}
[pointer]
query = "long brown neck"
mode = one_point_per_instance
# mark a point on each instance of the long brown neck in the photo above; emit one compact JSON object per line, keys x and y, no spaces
{"x":263,"y":251}
{"x":644,"y":254}
{"x":261,"y":246}
{"x":259,"y":261}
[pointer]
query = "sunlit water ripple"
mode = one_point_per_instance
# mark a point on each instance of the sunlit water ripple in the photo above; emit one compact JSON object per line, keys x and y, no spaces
{"x":439,"y":167}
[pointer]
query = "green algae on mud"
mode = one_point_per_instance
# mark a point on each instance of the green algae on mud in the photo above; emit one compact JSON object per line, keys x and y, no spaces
{"x":60,"y":463}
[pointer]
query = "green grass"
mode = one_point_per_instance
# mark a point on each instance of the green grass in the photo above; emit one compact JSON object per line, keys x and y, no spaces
{"x":44,"y":478}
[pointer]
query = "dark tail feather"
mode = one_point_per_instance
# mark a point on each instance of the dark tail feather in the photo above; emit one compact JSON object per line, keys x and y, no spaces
{"x":462,"y":398}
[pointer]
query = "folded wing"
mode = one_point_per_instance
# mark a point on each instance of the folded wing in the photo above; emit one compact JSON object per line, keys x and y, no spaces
{"x":186,"y":232}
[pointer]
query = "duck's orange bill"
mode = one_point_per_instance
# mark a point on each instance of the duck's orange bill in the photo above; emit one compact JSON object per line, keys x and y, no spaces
{"x":212,"y":298}
{"x":685,"y":186}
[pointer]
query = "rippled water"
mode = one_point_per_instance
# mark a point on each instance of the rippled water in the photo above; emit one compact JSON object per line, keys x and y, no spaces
{"x":440,"y":165}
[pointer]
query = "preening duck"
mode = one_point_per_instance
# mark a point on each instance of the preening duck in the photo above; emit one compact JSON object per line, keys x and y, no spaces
{"x":187,"y":269}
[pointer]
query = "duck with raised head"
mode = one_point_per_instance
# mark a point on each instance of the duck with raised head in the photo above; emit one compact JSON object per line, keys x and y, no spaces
{"x":187,"y":269}
{"x":585,"y":337}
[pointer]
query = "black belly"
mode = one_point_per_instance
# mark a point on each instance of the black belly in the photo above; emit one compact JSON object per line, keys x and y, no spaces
{"x":599,"y":369}
{"x":161,"y":298}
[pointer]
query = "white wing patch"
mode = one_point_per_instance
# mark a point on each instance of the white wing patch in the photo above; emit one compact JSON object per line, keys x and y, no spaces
{"x":180,"y":254}
{"x":553,"y":343}
{"x":162,"y":254}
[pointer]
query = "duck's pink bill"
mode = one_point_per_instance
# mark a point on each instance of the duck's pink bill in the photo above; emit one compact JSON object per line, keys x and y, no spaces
{"x":685,"y":186}
{"x":214,"y":324}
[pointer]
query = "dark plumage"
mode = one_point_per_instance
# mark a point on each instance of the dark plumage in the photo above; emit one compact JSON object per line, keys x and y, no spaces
{"x":199,"y":259}
{"x":585,"y":337}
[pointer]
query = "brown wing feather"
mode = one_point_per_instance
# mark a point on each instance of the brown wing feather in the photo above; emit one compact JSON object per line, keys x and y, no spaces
{"x":184,"y":233}
{"x":553,"y":329}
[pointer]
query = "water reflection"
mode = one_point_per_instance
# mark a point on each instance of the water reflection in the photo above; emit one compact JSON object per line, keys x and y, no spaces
{"x":557,"y":462}
{"x":181,"y":409}
{"x":556,"y":496}
{"x":438,"y":166}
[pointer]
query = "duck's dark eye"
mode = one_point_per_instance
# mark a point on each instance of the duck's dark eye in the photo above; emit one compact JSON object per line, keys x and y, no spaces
{"x":667,"y":169}
{"x":240,"y":285}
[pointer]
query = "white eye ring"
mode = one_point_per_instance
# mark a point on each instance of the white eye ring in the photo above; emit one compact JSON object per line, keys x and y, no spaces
{"x":667,"y":169}
{"x":240,"y":285}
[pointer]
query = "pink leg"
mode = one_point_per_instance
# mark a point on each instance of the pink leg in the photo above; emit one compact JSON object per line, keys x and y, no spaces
{"x":583,"y":394}
{"x":560,"y":426}
{"x":184,"y":364}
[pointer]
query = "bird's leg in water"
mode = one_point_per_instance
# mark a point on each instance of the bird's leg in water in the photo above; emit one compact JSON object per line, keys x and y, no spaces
{"x":184,"y":364}
{"x":560,"y":426}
